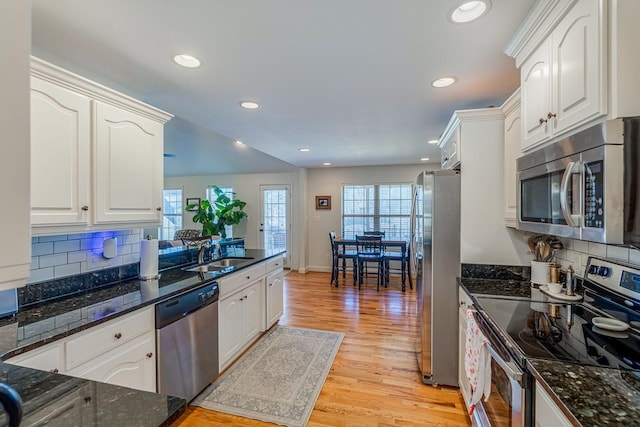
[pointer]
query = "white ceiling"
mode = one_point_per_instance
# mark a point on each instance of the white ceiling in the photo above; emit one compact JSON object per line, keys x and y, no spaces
{"x":349,"y":79}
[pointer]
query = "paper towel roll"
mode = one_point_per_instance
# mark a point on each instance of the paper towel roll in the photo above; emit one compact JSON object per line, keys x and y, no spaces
{"x":149,"y":259}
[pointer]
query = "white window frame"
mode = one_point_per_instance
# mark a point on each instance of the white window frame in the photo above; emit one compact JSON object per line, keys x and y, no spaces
{"x":167,"y":231}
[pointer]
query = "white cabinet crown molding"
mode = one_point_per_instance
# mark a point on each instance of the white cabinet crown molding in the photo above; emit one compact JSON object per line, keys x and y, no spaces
{"x":64,"y":78}
{"x":542,"y":18}
{"x":511,"y":103}
{"x":459,"y":116}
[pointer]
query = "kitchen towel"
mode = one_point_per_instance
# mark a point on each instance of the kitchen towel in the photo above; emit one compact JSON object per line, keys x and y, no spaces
{"x":149,"y":259}
{"x":477,"y":362}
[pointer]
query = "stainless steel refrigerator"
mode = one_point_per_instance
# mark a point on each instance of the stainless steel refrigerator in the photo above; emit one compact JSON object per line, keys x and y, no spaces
{"x":436,"y":245}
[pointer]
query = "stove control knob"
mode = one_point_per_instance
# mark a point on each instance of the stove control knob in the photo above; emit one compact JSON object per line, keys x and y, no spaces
{"x":593,"y":269}
{"x":604,"y":271}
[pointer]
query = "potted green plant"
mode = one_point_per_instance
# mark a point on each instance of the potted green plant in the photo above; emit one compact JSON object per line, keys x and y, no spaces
{"x":214,"y":216}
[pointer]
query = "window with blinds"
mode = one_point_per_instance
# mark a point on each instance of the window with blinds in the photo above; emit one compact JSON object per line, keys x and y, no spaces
{"x":377,"y":207}
{"x":171,"y":214}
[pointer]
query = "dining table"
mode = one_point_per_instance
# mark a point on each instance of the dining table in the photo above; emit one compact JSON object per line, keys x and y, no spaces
{"x":405,"y":254}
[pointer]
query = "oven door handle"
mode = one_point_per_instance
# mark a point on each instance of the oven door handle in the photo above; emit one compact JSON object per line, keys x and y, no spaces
{"x":572,"y":220}
{"x":509,"y":368}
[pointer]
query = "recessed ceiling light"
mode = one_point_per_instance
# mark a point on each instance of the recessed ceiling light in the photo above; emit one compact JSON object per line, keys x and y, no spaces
{"x":326,"y":164}
{"x":467,"y":11}
{"x":424,"y":159}
{"x":432,"y":141}
{"x":239,"y":142}
{"x":304,"y":150}
{"x":443,"y":82}
{"x":249,"y":105}
{"x":187,"y":61}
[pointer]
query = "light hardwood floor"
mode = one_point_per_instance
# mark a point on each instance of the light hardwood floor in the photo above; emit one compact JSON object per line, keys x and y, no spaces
{"x":374,"y":380}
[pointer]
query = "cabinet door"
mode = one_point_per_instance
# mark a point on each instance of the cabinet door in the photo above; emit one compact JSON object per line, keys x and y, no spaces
{"x":535,"y":85}
{"x":60,"y":155}
{"x":547,"y":412}
{"x":78,"y":405}
{"x":229,"y":327}
{"x":131,"y":365}
{"x":578,"y":58}
{"x":275,"y":303}
{"x":128,"y":166}
{"x":512,"y":133}
{"x":253,"y":318}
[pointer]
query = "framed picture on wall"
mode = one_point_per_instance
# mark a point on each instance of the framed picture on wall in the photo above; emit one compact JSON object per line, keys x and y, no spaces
{"x":323,"y":202}
{"x":193,"y":201}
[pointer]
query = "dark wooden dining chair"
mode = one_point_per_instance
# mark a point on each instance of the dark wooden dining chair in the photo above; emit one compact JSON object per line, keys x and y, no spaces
{"x":400,"y":262}
{"x":370,"y":250}
{"x":374,"y":233}
{"x":339,"y":260}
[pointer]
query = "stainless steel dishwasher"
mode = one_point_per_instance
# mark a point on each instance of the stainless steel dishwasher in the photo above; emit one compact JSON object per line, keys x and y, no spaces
{"x":187,"y":342}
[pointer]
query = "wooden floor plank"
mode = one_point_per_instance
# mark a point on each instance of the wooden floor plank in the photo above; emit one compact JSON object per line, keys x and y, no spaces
{"x":374,"y":380}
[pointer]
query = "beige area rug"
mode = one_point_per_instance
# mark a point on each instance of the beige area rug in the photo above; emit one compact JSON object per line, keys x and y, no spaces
{"x":279,"y":379}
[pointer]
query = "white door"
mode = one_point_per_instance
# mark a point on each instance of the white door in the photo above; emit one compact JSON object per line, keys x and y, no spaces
{"x":275,"y":228}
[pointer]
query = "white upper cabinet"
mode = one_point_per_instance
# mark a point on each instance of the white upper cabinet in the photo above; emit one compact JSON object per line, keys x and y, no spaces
{"x":128,"y":162}
{"x":512,"y":138}
{"x":60,"y":155}
{"x":577,"y":61}
{"x":450,"y":145}
{"x":562,"y":80}
{"x":96,"y":155}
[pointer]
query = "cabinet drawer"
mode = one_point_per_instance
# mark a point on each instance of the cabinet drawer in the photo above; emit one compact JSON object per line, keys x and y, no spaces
{"x":103,"y":338}
{"x":232,"y":283}
{"x":275,"y":263}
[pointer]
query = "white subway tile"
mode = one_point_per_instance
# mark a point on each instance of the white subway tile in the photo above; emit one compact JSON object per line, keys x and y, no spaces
{"x":66,"y":270}
{"x":123,"y":250}
{"x":618,"y":253}
{"x":82,"y":236}
{"x":66,"y":246}
{"x":78,"y":256}
{"x":38,"y":249}
{"x":40,"y":275}
{"x":94,"y":243}
{"x":122,"y":232}
{"x":34,"y":263}
{"x":42,"y":239}
{"x":53,"y":260}
{"x":580,"y":246}
{"x":34,"y":240}
{"x":135,"y":248}
{"x":130,"y":239}
{"x":84,"y":267}
{"x":131,"y":258}
{"x":597,"y":249}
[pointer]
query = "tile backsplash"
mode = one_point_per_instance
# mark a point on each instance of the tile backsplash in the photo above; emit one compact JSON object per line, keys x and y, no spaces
{"x":53,"y":257}
{"x":577,"y":253}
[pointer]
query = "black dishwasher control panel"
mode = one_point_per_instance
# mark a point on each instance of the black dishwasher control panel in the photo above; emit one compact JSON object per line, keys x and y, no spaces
{"x":186,"y":303}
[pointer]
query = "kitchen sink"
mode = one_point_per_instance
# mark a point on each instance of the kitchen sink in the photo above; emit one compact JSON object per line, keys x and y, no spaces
{"x":220,"y":264}
{"x":228,"y":262}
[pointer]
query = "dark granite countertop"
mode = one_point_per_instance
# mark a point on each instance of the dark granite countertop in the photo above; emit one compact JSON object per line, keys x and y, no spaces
{"x":44,"y":394}
{"x":591,"y":396}
{"x":41,"y":323}
{"x":588,"y":395}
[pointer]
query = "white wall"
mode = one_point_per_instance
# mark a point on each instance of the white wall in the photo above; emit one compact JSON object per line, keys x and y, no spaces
{"x":328,"y":182}
{"x":247,"y":189}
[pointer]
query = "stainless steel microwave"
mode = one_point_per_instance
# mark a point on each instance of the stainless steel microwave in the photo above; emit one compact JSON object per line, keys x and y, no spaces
{"x":575,"y":187}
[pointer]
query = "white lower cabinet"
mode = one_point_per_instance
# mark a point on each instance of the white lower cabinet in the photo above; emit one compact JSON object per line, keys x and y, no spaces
{"x":547,"y":412}
{"x":119,"y":352}
{"x":275,"y":297}
{"x":130,"y":365}
{"x":241,"y":319}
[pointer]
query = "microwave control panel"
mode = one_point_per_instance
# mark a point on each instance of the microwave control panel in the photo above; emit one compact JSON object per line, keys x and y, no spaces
{"x":593,"y":197}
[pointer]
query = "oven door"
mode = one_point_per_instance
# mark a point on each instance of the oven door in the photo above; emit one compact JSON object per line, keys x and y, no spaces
{"x":550,"y":197}
{"x":510,"y":397}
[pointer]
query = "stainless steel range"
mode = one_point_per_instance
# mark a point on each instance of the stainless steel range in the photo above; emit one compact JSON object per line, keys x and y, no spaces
{"x":601,"y":330}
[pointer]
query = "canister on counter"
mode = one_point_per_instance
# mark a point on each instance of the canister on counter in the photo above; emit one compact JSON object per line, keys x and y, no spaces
{"x":554,"y":273}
